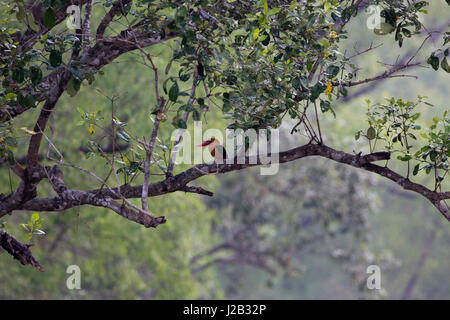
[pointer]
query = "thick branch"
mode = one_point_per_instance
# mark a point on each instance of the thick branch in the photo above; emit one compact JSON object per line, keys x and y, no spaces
{"x":12,"y":201}
{"x":137,"y":216}
{"x":115,"y":10}
{"x":391,"y":73}
{"x":56,"y":177}
{"x":180,"y":181}
{"x":18,"y":250}
{"x":25,"y":192}
{"x":198,"y":190}
{"x":41,"y":124}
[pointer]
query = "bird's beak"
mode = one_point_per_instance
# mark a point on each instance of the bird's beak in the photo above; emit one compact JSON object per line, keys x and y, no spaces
{"x":205,"y":143}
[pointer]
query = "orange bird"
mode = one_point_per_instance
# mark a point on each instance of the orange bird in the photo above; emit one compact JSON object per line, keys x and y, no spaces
{"x":215,"y":149}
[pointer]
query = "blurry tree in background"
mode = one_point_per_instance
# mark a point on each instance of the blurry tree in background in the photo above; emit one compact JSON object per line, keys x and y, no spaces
{"x":274,"y":223}
{"x":236,"y":64}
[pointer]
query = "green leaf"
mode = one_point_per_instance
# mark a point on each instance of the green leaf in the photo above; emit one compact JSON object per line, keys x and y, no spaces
{"x":169,"y":65}
{"x":266,"y":40}
{"x":10,"y":141}
{"x":49,"y":18}
{"x":35,"y":75}
{"x":296,"y":83}
{"x":10,"y":157}
{"x":185,"y":77}
{"x":196,"y":115}
{"x":399,"y":38}
{"x":73,"y":86}
{"x":165,"y":85}
{"x":325,"y":105}
{"x":416,"y":169}
{"x":444,"y":65}
{"x":406,"y":157}
{"x":18,"y":75}
{"x":385,"y":28}
{"x":332,"y":71}
{"x":343,"y":91}
{"x":266,"y":7}
{"x":55,"y":58}
{"x":123,"y":135}
{"x":186,"y":107}
{"x":174,"y":92}
{"x":434,"y":62}
{"x":278,"y":57}
{"x":255,"y":34}
{"x":273,"y":11}
{"x":31,"y":22}
{"x":309,"y":65}
{"x":316,"y":91}
{"x":371,"y":133}
{"x":415,"y":116}
{"x":20,"y":14}
{"x":81,"y":111}
{"x":412,"y":136}
{"x":28,"y":100}
{"x":226,"y":106}
{"x":181,"y":124}
{"x":419,"y":5}
{"x":311,"y":21}
{"x":433,"y":155}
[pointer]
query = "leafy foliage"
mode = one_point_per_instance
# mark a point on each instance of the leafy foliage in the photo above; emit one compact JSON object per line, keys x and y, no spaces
{"x":33,"y":226}
{"x":395,"y":125}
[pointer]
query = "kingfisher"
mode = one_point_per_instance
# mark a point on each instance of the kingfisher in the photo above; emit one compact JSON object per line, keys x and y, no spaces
{"x":216,"y":150}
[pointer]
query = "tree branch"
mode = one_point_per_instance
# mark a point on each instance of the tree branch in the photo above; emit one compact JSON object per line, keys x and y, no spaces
{"x":98,"y":56}
{"x":18,"y":250}
{"x":86,"y":27}
{"x":115,"y":10}
{"x":180,"y":181}
{"x":30,"y":36}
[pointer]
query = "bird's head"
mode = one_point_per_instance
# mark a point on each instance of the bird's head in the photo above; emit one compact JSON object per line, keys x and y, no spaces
{"x":207,"y":142}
